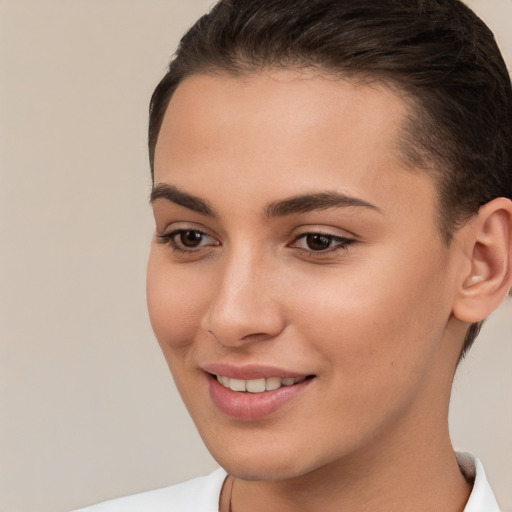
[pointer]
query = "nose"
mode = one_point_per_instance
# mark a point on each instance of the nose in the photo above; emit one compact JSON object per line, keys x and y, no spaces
{"x":245,"y":306}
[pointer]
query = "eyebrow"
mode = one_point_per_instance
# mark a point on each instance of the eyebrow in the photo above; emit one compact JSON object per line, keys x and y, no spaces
{"x":312,"y":202}
{"x":176,"y":196}
{"x":297,"y":204}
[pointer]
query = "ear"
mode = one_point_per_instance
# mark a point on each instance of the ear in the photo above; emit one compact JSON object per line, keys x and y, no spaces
{"x":487,"y":279}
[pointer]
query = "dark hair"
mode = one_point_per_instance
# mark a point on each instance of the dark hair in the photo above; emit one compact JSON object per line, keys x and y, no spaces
{"x":437,"y":53}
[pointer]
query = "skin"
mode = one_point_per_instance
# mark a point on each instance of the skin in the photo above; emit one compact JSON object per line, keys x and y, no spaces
{"x":372,"y":319}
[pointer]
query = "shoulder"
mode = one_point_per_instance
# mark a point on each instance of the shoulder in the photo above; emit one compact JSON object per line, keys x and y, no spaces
{"x":201,"y":494}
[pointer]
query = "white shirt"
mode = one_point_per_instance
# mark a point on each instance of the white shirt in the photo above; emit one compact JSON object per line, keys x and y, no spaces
{"x":202,"y":494}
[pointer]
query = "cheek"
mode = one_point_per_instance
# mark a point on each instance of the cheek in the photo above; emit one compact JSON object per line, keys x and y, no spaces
{"x":177,"y":301}
{"x":375,"y":317}
{"x":378,"y":346}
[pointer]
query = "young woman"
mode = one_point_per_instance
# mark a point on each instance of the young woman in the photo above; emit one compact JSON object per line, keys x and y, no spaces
{"x":332,"y":191}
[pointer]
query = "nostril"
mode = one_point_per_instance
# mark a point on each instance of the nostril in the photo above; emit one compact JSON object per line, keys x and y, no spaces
{"x":257,"y":336}
{"x":247,"y":338}
{"x":245,"y":320}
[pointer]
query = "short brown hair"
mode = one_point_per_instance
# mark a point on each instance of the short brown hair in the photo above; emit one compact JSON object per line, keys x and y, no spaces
{"x":438,"y":53}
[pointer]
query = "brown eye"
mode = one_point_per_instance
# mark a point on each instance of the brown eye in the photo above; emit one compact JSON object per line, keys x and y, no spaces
{"x":321,"y":243}
{"x":318,"y":242}
{"x":190,"y":241}
{"x":191,"y":238}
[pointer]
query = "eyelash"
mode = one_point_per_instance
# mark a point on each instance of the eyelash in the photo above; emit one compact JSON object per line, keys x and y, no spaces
{"x":170,"y":239}
{"x":341,"y":243}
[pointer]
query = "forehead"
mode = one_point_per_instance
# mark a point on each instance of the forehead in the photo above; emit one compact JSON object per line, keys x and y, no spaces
{"x":295,"y":130}
{"x":291,"y":102}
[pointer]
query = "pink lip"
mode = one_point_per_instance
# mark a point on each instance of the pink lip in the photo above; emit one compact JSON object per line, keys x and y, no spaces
{"x":248,"y":372}
{"x":252,"y":406}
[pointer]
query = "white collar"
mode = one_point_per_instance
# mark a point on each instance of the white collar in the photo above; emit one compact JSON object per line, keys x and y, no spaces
{"x":482,"y":498}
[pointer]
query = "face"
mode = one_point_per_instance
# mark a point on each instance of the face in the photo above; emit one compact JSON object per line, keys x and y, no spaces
{"x":297,"y":283}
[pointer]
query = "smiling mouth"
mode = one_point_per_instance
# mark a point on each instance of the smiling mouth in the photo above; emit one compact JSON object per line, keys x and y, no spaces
{"x":258,"y":385}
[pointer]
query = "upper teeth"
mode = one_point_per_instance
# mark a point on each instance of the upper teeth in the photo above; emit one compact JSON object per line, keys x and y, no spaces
{"x":257,"y":385}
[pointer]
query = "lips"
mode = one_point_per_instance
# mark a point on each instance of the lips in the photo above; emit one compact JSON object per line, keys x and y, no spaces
{"x":253,"y":392}
{"x":250,"y":371}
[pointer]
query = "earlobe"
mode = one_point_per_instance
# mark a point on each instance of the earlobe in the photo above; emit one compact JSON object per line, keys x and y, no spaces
{"x":489,"y":246}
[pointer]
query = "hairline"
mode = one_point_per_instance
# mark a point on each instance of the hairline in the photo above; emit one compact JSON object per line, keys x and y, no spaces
{"x":409,"y":150}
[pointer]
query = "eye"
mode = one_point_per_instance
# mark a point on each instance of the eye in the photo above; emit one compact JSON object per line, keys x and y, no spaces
{"x":187,"y":240}
{"x":321,"y":242}
{"x":190,"y":238}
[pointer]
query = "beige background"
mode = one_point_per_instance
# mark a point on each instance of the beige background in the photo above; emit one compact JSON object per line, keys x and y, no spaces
{"x":87,"y":408}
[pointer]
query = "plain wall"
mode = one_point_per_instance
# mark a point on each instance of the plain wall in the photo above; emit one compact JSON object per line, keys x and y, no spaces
{"x":88,"y":410}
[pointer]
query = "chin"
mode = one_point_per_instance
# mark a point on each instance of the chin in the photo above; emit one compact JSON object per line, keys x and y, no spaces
{"x":263,"y":470}
{"x":267,"y":462}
